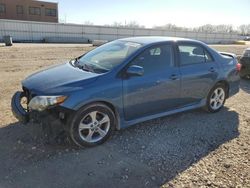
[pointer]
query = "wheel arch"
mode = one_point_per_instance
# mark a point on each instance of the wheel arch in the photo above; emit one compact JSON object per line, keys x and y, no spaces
{"x":226,"y":84}
{"x":108,"y":104}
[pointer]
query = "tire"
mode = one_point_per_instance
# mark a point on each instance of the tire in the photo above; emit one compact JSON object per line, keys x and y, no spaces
{"x":216,"y":98}
{"x":92,"y":125}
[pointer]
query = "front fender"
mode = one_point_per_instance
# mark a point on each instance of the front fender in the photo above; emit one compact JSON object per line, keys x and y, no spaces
{"x":100,"y":92}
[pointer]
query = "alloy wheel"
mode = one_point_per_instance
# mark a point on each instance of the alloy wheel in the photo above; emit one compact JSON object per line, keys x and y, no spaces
{"x":94,"y":126}
{"x":217,"y":98}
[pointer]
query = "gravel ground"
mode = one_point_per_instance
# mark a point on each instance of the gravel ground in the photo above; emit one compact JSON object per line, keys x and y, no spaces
{"x":191,"y":149}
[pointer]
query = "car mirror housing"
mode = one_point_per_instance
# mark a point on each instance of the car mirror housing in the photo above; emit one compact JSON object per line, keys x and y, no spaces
{"x":135,"y":70}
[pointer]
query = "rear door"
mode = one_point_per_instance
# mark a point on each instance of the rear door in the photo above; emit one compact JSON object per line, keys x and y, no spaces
{"x":198,"y":71}
{"x":158,"y":89}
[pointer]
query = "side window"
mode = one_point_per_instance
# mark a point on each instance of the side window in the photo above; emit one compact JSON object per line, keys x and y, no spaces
{"x":192,"y":54}
{"x":208,"y":56}
{"x":19,"y":9}
{"x":50,"y":12}
{"x":155,"y":59}
{"x":2,"y":8}
{"x":34,"y":11}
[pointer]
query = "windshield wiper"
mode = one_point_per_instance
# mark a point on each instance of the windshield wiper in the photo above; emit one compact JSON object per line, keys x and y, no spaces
{"x":89,"y":67}
{"x":84,"y":67}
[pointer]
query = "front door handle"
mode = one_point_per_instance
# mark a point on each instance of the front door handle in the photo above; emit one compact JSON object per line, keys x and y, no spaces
{"x":173,"y":77}
{"x":212,"y":69}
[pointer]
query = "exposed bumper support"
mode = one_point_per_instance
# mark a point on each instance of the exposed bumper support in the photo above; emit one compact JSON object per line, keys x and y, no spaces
{"x":17,"y":109}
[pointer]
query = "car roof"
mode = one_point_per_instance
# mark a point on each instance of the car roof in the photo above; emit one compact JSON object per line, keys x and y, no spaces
{"x":152,"y":39}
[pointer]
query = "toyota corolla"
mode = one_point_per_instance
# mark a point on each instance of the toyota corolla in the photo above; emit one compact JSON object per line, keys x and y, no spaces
{"x":128,"y":81}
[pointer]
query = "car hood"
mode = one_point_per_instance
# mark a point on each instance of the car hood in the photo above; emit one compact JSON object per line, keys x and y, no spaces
{"x":58,"y":79}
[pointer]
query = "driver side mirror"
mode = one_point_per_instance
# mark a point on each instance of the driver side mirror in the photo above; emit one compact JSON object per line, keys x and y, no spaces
{"x":135,"y":70}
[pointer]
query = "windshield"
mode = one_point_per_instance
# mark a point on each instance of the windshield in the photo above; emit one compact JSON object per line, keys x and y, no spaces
{"x":107,"y":56}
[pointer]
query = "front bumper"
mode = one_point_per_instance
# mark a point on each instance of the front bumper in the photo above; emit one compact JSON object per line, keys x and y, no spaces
{"x":49,"y":125}
{"x":24,"y":116}
{"x":18,"y":111}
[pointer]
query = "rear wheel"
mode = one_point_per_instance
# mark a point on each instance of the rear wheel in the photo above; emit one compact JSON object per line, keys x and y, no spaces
{"x":92,"y":125}
{"x":216,"y":98}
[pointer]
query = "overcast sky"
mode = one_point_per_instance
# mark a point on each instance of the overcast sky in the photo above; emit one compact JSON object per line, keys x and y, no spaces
{"x":188,"y":13}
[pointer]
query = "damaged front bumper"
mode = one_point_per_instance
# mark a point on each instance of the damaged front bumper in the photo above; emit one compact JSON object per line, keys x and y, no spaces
{"x":17,"y":109}
{"x":25,"y":115}
{"x":49,"y":125}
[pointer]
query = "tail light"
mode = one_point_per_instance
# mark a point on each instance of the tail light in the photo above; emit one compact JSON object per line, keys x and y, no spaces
{"x":238,"y":67}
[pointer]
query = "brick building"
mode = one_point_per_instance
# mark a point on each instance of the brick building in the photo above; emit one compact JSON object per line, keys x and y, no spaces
{"x":30,"y":10}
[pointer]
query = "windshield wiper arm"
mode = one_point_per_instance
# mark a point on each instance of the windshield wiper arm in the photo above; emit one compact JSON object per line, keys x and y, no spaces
{"x":84,"y":67}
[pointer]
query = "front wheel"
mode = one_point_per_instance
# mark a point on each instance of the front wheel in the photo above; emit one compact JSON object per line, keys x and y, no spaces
{"x":216,"y":98}
{"x":92,"y":125}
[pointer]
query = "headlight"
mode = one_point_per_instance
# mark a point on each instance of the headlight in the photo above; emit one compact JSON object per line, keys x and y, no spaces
{"x":40,"y":103}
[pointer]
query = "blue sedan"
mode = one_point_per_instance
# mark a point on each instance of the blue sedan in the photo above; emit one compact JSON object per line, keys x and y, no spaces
{"x":128,"y":81}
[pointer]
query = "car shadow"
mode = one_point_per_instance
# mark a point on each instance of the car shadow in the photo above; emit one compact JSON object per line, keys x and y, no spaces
{"x":245,"y":85}
{"x":148,"y":154}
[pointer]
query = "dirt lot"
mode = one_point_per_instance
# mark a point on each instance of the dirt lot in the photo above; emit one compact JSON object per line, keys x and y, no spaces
{"x":190,"y":149}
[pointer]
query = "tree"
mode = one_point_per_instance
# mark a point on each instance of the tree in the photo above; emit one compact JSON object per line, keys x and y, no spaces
{"x":117,"y":24}
{"x":171,"y":27}
{"x":131,"y":24}
{"x":224,"y":28}
{"x":88,"y":23}
{"x":206,"y":28}
{"x":244,"y":29}
{"x":134,"y":24}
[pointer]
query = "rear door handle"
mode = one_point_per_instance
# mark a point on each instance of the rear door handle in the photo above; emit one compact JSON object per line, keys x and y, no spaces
{"x":173,"y":77}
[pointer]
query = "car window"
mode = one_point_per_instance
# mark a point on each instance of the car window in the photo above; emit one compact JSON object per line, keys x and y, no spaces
{"x":108,"y":56}
{"x":208,"y":57}
{"x":155,"y":51}
{"x":155,"y":59}
{"x":193,"y":54}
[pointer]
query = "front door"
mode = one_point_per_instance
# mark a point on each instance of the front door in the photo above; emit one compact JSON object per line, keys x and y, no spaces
{"x":158,"y":89}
